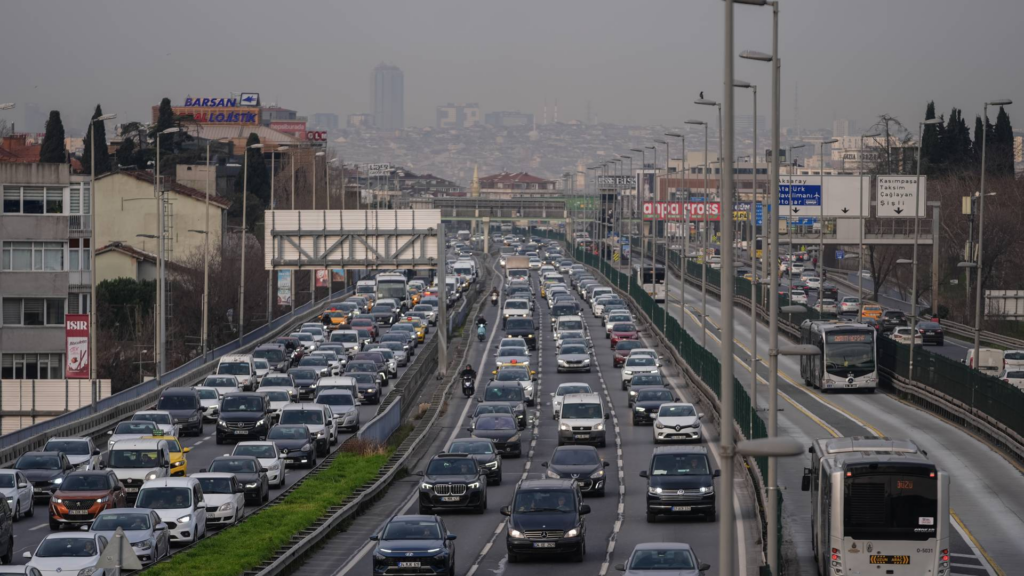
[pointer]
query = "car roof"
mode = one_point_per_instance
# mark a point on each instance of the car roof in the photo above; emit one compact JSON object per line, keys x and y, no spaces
{"x":546,"y":483}
{"x":144,"y":443}
{"x":212,"y":475}
{"x":304,"y":406}
{"x":172,"y":482}
{"x":662,"y":546}
{"x":89,"y":473}
{"x":681,"y":449}
{"x":575,"y":448}
{"x":235,"y":358}
{"x":178,"y":392}
{"x":581,"y":397}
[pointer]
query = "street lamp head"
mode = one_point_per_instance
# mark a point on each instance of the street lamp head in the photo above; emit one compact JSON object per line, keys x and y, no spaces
{"x":321,"y":153}
{"x":829,"y":141}
{"x":283,"y":147}
{"x":636,"y":150}
{"x":752,"y":2}
{"x":931,"y":122}
{"x":777,"y":446}
{"x":755,"y":55}
{"x":104,"y":117}
{"x":741,"y":84}
{"x":7,"y":106}
{"x":649,"y":147}
{"x":695,"y":122}
{"x":332,"y":160}
{"x":660,"y":142}
{"x":673,"y":135}
{"x":171,"y":130}
{"x":1004,"y":102}
{"x":255,"y":146}
{"x":967,"y":265}
{"x":798,"y":146}
{"x":153,"y":236}
{"x":904,"y":261}
{"x":871,"y":135}
{"x":705,"y":102}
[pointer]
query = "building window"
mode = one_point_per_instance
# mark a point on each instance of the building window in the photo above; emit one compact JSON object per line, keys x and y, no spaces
{"x":78,"y":303}
{"x":42,"y":366}
{"x":33,"y":311}
{"x":78,"y":255}
{"x":33,"y":256}
{"x":33,"y":200}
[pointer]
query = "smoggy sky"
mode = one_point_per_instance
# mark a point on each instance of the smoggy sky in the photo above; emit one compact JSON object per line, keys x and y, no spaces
{"x":638,"y":62}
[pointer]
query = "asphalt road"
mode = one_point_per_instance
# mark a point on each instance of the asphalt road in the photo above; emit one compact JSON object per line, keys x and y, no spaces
{"x":28,"y":532}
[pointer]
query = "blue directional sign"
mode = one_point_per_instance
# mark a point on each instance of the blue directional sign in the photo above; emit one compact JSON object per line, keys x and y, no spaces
{"x":840,"y":254}
{"x":799,"y":195}
{"x":760,"y":214}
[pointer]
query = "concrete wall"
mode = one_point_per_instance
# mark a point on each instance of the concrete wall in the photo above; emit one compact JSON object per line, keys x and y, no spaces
{"x":34,"y":173}
{"x":114,"y":264}
{"x":32,"y":339}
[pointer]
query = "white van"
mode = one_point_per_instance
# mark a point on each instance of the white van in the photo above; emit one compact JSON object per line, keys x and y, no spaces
{"x":242,"y":368}
{"x":581,"y":420}
{"x":991,"y":362}
{"x":136,"y":462}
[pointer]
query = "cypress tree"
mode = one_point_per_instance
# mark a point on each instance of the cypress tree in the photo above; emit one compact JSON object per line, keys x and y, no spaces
{"x":1001,"y":145}
{"x":102,"y":154}
{"x":979,"y":133}
{"x":52,"y":149}
{"x":165,"y":120}
{"x":258,"y":185}
{"x":930,"y":145}
{"x":126,"y":152}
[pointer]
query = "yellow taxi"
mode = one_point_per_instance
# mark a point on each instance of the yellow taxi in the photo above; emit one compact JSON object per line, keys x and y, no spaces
{"x":421,"y":327}
{"x":179,"y":463}
{"x":338,"y":317}
{"x":873,"y":311}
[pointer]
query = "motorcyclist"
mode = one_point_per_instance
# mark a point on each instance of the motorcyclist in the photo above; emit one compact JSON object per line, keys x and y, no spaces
{"x":468,"y":372}
{"x":481,"y":321}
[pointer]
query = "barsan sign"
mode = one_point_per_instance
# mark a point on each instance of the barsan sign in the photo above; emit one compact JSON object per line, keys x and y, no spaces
{"x":211,"y":102}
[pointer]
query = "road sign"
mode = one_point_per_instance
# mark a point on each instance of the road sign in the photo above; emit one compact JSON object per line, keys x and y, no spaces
{"x":798,"y":191}
{"x":119,"y":554}
{"x":378,"y":169}
{"x":840,"y":254}
{"x":895,"y":195}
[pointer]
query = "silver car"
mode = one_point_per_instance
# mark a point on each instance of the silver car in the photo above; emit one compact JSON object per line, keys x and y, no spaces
{"x":663,"y":559}
{"x":148,"y":535}
{"x":81,"y":452}
{"x":573,"y":358}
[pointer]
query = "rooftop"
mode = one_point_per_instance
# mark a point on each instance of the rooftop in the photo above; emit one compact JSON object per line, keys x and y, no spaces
{"x":171,"y":185}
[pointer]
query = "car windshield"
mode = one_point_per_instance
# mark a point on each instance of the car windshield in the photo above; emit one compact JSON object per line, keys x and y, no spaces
{"x":563,"y":310}
{"x":512,"y":351}
{"x":676,"y":411}
{"x":482,"y":409}
{"x":662,"y":560}
{"x":452,"y":467}
{"x":393,"y":346}
{"x":412,"y":530}
{"x":573,"y":335}
{"x":241,"y":404}
{"x":649,"y":395}
{"x":137,"y":427}
{"x":164,"y":498}
{"x":314,"y":361}
{"x":589,"y":411}
{"x":207,"y":393}
{"x":575,"y":457}
{"x":86,"y":483}
{"x":640,"y":361}
{"x":496,"y":423}
{"x":471,"y":447}
{"x":680,"y":465}
{"x":278,"y":396}
{"x":574,"y":389}
{"x":365,"y":378}
{"x":261,"y":364}
{"x":257,"y":450}
{"x":288,"y":433}
{"x":69,"y":447}
{"x":124,"y":520}
{"x":303,"y":336}
{"x":570,"y":325}
{"x":623,"y":327}
{"x":646,"y":380}
{"x":129,"y":458}
{"x":335,"y":399}
{"x":216,"y":485}
{"x":628,"y":345}
{"x":177,"y":402}
{"x":221,"y":383}
{"x":383,"y":307}
{"x":349,"y":337}
{"x":302,"y":417}
{"x":36,"y":462}
{"x":517,"y":304}
{"x":573,"y":349}
{"x":329,"y":354}
{"x":234,"y":368}
{"x":303,"y":374}
{"x":558,"y":500}
{"x":361,"y":366}
{"x":155,"y":418}
{"x":233,"y":465}
{"x":512,"y":375}
{"x":519,"y":324}
{"x":67,"y":548}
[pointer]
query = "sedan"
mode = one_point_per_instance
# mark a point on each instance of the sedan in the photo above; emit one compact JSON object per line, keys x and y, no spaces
{"x":224,"y":496}
{"x":624,"y":331}
{"x":142,"y":527}
{"x":251,"y":475}
{"x":647,"y":402}
{"x":296,"y":443}
{"x":512,"y":356}
{"x":67,"y":552}
{"x":663,"y":558}
{"x":677,"y":421}
{"x":573,"y":358}
{"x":401,"y":356}
{"x":798,"y":296}
{"x":849,"y":305}
{"x":622,"y":351}
{"x":581,"y":463}
{"x":162,"y":419}
{"x":638,"y":365}
{"x":931,"y":333}
{"x":44,"y":470}
{"x":502,"y":430}
{"x":614,"y":318}
{"x":827,"y":306}
{"x":343,"y":406}
{"x":209,"y":399}
{"x":414,"y":545}
{"x":16,"y":488}
{"x":269,"y":457}
{"x":903,"y":334}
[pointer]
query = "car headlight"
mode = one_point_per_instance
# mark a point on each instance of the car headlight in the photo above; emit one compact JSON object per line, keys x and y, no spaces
{"x":274,"y":466}
{"x":707,"y":489}
{"x":225,"y":507}
{"x":627,"y":372}
{"x":653,"y":491}
{"x":261,"y":422}
{"x":473,"y":485}
{"x":144,"y":545}
{"x":320,"y":434}
{"x":193,"y":418}
{"x":632,"y":392}
{"x":252,"y":484}
{"x":572,"y":533}
{"x":491,"y":465}
{"x":552,"y":474}
{"x":88,"y":571}
{"x":640,"y":409}
{"x":11,"y":500}
{"x":514,"y":438}
{"x":586,"y":362}
{"x":102,"y":500}
{"x":306,"y":447}
{"x":222,"y":423}
{"x":184,"y":519}
{"x":696,"y":424}
{"x":426,"y":486}
{"x":58,"y":481}
{"x":599,"y":426}
{"x":563,"y":363}
{"x":513,"y":533}
{"x":151,"y":476}
{"x":598,"y":474}
{"x":658,"y":425}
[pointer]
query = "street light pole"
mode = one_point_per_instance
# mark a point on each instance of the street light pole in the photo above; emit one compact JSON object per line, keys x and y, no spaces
{"x":821,"y":202}
{"x":93,"y":309}
{"x":245,"y":194}
{"x":161,"y":264}
{"x":704,"y":241}
{"x":860,"y":226}
{"x":684,"y":224}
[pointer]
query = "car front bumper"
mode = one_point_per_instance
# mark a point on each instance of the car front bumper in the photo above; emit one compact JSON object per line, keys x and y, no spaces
{"x":543,"y":547}
{"x":687,"y":434}
{"x":470,"y":499}
{"x":581,"y":436}
{"x":681,"y":505}
{"x":298,"y":458}
{"x":220,"y":518}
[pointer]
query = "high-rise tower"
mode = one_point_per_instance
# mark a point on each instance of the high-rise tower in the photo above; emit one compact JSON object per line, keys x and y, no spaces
{"x":388,"y":97}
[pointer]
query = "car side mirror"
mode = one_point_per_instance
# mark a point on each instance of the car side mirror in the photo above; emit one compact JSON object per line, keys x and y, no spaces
{"x":716,"y":474}
{"x":203,"y":470}
{"x":374,"y":538}
{"x":239,"y":491}
{"x":201,"y":504}
{"x":607,"y":463}
{"x":469,"y":429}
{"x":704,"y":567}
{"x":186,"y":450}
{"x":700,"y":415}
{"x":607,"y":416}
{"x":27,"y":555}
{"x":262,"y":469}
{"x":110,"y":433}
{"x":22,"y":485}
{"x":160,"y":526}
{"x":552,"y":394}
{"x":585,"y":509}
{"x":620,"y":567}
{"x":544,"y":464}
{"x":95,"y":451}
{"x":506,"y":511}
{"x":643,"y":474}
{"x":450,"y":537}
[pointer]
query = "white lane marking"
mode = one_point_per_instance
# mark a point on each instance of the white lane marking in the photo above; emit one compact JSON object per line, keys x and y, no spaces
{"x":970,"y":544}
{"x":40,"y":527}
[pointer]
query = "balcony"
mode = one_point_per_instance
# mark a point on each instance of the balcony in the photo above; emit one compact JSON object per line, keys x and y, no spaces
{"x":79,"y":226}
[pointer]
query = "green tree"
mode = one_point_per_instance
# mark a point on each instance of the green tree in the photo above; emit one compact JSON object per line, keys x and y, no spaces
{"x":979,"y":132}
{"x":258,"y":179}
{"x":102,"y":154}
{"x":123,"y":303}
{"x":165,"y":119}
{"x":1001,"y":146}
{"x":931,"y":150}
{"x":52,"y":149}
{"x":126,"y":153}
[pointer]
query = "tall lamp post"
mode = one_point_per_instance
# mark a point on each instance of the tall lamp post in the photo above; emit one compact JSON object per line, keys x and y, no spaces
{"x":315,"y":156}
{"x":204,"y":331}
{"x":654,"y":218}
{"x":981,"y":235}
{"x":704,"y":239}
{"x":161,"y":264}
{"x":633,"y":209}
{"x":93,"y":309}
{"x":821,"y":201}
{"x":685,"y":228}
{"x":860,"y":224}
{"x":245,"y":195}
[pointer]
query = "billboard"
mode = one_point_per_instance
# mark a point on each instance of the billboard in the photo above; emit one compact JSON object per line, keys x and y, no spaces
{"x":679,"y":211}
{"x":616,"y":182}
{"x":322,"y":280}
{"x":202,"y":115}
{"x":896,"y":196}
{"x":337,"y":275}
{"x":646,"y":184}
{"x":375,"y":170}
{"x":291,"y":127}
{"x":284,"y":287}
{"x":76,"y":336}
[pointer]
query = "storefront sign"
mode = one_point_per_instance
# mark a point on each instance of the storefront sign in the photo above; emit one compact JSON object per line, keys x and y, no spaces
{"x":216,"y":115}
{"x":678,"y":211}
{"x":76,"y":335}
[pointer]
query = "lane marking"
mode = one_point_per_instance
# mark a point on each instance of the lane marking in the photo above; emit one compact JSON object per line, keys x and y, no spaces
{"x":993,"y":569}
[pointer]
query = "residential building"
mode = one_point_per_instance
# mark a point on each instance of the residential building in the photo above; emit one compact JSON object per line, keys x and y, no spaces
{"x":196,"y":176}
{"x":458,"y":115}
{"x":120,"y":260}
{"x":359,"y":120}
{"x":388,"y":97}
{"x":44,"y":232}
{"x":16,"y":148}
{"x":325,"y":120}
{"x":503,"y":119}
{"x":840,"y":128}
{"x":507,"y":186}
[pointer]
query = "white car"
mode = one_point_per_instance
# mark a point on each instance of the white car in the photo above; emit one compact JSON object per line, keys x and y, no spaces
{"x":535,"y":263}
{"x":813,"y":282}
{"x":81,"y":452}
{"x":161,"y":418}
{"x":262,"y":368}
{"x":797,"y":267}
{"x":677,"y":421}
{"x":209,"y":399}
{"x":173,"y":499}
{"x":905,"y":333}
{"x":600,"y":303}
{"x":1014,"y":376}
{"x":715,"y":262}
{"x":798,"y":296}
{"x":615,"y":318}
{"x":132,"y":430}
{"x":638,"y":365}
{"x":67,"y":553}
{"x":563,"y":389}
{"x":269,"y":457}
{"x":516,"y":307}
{"x":649,"y":352}
{"x":16,"y":488}
{"x":849,"y":304}
{"x":827,"y":306}
{"x":223,"y":493}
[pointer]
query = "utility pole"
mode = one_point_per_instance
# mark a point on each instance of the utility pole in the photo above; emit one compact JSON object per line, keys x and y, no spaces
{"x":442,"y":301}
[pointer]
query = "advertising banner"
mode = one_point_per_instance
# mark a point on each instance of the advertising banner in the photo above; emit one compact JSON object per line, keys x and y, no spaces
{"x":322,"y":279}
{"x":284,"y":287}
{"x":76,"y":336}
{"x":337,"y":275}
{"x":292,"y":127}
{"x":678,"y":211}
{"x":616,"y":182}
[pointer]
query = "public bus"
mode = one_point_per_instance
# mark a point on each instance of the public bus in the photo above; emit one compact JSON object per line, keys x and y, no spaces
{"x":393,"y":285}
{"x":847,"y":357}
{"x":652,"y":279}
{"x":878,"y":506}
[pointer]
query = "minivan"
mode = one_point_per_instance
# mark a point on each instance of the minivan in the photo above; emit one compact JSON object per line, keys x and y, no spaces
{"x":242,"y":368}
{"x":136,"y":462}
{"x":546,"y":518}
{"x":581,"y":420}
{"x":185,"y":407}
{"x":680,"y":482}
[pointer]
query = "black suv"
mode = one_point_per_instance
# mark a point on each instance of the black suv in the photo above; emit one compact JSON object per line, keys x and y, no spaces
{"x":185,"y":409}
{"x":243,"y":416}
{"x":414,"y":545}
{"x":510,"y":393}
{"x":891,"y":319}
{"x":484,"y":452}
{"x":453,"y":481}
{"x":252,"y":476}
{"x":546,"y":518}
{"x":524,"y":328}
{"x":680,"y":482}
{"x":581,"y":463}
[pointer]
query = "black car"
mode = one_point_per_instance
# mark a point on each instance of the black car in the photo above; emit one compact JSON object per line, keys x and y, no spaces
{"x":647,"y":401}
{"x":828,"y":291}
{"x":510,"y":393}
{"x":296,"y":443}
{"x":546,"y":518}
{"x":276,"y":355}
{"x":185,"y":409}
{"x":367,"y":385}
{"x":251,"y":475}
{"x":380,"y":364}
{"x":7,"y":534}
{"x":564,"y":309}
{"x":500,"y":429}
{"x":414,"y":545}
{"x":580,"y":463}
{"x":641,"y":381}
{"x":45,"y":470}
{"x":680,"y":482}
{"x":453,"y":481}
{"x":384,"y":313}
{"x":931,"y":333}
{"x":285,"y":380}
{"x":484,"y":452}
{"x":891,"y":319}
{"x":524,"y":328}
{"x":243,"y":416}
{"x":305,"y":380}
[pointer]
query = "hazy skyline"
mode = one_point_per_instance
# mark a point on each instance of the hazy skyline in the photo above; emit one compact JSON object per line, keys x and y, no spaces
{"x":637,"y":62}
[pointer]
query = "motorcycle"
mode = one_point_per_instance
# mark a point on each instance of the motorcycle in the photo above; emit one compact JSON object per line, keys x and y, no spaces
{"x":481,"y":332}
{"x":494,"y":298}
{"x":468,"y":387}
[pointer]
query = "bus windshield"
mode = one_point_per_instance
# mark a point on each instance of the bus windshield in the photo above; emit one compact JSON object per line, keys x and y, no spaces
{"x":391,"y":289}
{"x":890,"y":503}
{"x":849,"y":353}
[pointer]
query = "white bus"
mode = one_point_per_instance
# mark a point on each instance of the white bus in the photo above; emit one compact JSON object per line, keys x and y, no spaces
{"x":394,"y":285}
{"x":847,"y":359}
{"x":878,"y":506}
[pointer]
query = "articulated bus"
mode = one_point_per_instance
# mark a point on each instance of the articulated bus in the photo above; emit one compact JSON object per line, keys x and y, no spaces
{"x":879,"y":506}
{"x":393,"y":285}
{"x":847,"y":359}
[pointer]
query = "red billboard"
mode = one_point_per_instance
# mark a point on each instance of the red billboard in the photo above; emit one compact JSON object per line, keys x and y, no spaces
{"x":678,"y":210}
{"x":292,"y":127}
{"x":76,"y":335}
{"x":322,"y":279}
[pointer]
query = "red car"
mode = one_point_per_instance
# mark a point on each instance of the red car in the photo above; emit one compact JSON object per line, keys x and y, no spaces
{"x":367,"y":323}
{"x":622,"y":350}
{"x":624,"y":331}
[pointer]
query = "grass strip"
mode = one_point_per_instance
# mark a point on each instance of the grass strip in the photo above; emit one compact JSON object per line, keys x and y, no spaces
{"x":245,"y":546}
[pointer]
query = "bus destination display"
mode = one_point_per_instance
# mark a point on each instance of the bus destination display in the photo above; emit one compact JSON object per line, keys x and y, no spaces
{"x":879,"y":559}
{"x":849,"y":337}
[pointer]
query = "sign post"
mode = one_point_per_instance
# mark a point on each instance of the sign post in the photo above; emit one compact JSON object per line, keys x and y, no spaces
{"x":118,"y":555}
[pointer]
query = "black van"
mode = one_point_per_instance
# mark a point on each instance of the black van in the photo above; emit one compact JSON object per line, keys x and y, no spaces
{"x":680,"y":482}
{"x":546,"y":518}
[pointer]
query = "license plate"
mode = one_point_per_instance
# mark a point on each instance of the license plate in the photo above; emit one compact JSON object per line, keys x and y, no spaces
{"x":241,"y":431}
{"x":850,"y":385}
{"x":78,"y":512}
{"x":930,"y":333}
{"x":879,"y":559}
{"x":582,"y":436}
{"x":449,"y":499}
{"x":131,"y":490}
{"x":680,"y":508}
{"x":543,"y":544}
{"x":408,"y":564}
{"x":40,"y":490}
